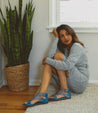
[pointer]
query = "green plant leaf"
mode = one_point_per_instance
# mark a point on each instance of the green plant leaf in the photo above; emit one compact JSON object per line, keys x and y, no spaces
{"x":17,"y":34}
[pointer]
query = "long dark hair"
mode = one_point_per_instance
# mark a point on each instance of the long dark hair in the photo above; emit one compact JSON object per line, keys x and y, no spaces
{"x":70,"y":31}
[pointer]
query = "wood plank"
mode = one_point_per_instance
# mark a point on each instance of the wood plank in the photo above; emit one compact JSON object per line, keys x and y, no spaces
{"x":12,"y":111}
{"x":12,"y":101}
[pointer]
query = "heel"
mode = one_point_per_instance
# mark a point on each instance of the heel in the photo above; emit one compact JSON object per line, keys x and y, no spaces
{"x":68,"y":96}
{"x":61,"y":92}
{"x":46,"y":99}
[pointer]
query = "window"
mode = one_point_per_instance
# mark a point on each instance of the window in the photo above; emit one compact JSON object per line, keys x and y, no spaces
{"x":80,"y":14}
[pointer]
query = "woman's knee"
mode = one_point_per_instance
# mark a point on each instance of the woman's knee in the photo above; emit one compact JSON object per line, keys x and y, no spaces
{"x":59,"y":56}
{"x":48,"y":66}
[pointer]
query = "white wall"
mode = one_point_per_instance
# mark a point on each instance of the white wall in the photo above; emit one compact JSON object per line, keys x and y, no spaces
{"x":1,"y":80}
{"x":43,"y":39}
{"x":91,"y":43}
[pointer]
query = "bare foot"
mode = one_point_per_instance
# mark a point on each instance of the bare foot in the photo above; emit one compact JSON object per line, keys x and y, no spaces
{"x":59,"y":96}
{"x":35,"y":100}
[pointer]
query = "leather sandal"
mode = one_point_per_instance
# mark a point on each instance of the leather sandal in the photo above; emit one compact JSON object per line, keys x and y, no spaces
{"x":65,"y":92}
{"x":40,"y":97}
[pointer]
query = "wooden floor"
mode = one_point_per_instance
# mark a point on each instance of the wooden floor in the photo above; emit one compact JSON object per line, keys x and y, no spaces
{"x":11,"y":102}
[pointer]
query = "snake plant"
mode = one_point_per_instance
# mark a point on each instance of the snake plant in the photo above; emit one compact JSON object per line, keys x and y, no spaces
{"x":17,"y":35}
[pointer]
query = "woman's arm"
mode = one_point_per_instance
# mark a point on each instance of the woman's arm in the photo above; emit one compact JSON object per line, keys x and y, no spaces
{"x":68,"y":62}
{"x":53,"y":47}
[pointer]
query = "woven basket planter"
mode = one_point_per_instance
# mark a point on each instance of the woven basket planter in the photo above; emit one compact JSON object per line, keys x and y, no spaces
{"x":18,"y":77}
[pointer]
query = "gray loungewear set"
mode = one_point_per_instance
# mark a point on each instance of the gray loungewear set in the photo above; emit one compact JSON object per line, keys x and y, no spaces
{"x":76,"y":63}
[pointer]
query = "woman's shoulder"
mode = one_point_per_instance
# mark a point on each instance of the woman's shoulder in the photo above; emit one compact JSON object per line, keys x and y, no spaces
{"x":77,"y":47}
{"x":76,"y":44}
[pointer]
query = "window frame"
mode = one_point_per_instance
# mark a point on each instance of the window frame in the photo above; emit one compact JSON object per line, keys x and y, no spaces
{"x":79,"y":27}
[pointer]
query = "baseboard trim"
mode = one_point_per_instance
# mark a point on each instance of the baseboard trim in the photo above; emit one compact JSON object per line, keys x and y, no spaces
{"x":93,"y":81}
{"x":35,"y":82}
{"x":31,"y":83}
{"x":4,"y":82}
{"x":38,"y":82}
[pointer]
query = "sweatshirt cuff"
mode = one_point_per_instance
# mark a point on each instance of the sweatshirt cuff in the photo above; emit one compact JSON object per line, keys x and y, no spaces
{"x":48,"y":60}
{"x":51,"y":60}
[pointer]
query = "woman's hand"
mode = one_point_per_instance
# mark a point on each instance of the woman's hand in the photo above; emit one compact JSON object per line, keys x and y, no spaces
{"x":44,"y":60}
{"x":55,"y":33}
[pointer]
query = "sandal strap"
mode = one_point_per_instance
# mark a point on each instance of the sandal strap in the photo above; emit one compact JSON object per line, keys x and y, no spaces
{"x":38,"y":96}
{"x":29,"y":101}
{"x":62,"y":92}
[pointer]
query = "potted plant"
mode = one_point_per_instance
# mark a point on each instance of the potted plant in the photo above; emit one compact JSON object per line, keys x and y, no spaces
{"x":17,"y":44}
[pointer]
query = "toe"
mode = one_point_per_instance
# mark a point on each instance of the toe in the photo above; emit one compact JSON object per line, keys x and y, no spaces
{"x":51,"y":97}
{"x":25,"y":102}
{"x":58,"y":96}
{"x":33,"y":101}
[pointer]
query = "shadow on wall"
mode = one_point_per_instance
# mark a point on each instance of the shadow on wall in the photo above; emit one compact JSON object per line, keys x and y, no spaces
{"x":3,"y":62}
{"x":1,"y":80}
{"x":40,"y":65}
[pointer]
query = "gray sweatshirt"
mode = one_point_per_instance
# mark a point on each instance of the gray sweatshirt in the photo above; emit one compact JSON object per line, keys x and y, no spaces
{"x":77,"y":58}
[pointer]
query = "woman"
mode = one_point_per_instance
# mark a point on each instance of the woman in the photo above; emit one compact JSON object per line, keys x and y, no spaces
{"x":66,"y":59}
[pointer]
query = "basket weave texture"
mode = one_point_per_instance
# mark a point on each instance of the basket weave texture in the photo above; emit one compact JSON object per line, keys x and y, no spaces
{"x":18,"y":77}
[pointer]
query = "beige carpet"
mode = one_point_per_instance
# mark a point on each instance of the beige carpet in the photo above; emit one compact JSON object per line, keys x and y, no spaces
{"x":86,"y":102}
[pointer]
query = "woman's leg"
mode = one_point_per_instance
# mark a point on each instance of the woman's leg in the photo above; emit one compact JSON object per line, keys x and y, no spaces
{"x":47,"y":74}
{"x":76,"y":81}
{"x":61,"y":74}
{"x":46,"y":77}
{"x":62,"y":78}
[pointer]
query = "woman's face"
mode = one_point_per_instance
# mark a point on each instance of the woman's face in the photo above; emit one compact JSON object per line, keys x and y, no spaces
{"x":65,"y":37}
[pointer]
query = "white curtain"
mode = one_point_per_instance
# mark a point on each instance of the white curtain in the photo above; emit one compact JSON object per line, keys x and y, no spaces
{"x":77,"y":11}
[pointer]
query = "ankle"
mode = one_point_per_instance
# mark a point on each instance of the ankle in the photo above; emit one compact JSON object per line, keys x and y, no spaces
{"x":41,"y":91}
{"x":64,"y":88}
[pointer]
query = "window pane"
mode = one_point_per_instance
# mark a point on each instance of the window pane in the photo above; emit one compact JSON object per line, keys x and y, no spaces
{"x":78,"y":11}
